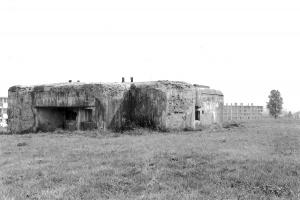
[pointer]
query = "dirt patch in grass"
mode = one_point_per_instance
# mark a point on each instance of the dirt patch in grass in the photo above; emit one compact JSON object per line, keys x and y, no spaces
{"x":22,"y":144}
{"x":233,"y":124}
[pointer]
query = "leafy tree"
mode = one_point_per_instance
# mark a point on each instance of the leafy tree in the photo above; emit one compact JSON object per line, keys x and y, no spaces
{"x":275,"y":103}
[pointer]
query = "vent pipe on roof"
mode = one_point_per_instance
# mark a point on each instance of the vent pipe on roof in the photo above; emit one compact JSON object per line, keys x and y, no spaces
{"x":123,"y":79}
{"x":131,"y":79}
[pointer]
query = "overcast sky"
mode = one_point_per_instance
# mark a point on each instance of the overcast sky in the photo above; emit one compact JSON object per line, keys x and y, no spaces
{"x":243,"y":48}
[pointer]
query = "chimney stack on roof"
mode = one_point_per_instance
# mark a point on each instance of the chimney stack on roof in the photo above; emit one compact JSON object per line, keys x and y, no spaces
{"x":131,"y":79}
{"x":123,"y":79}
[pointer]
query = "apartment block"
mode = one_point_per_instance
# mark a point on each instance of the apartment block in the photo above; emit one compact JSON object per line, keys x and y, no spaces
{"x":235,"y":112}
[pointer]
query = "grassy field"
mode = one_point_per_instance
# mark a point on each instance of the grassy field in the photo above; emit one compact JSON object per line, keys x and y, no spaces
{"x":258,"y":160}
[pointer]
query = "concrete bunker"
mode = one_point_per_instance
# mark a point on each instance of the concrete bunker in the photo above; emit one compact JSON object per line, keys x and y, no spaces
{"x":163,"y":105}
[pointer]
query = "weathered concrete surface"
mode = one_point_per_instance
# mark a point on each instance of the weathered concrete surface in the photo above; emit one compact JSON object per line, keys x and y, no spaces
{"x":146,"y":106}
{"x":163,"y":105}
{"x":180,"y":107}
{"x":211,"y":104}
{"x":43,"y":107}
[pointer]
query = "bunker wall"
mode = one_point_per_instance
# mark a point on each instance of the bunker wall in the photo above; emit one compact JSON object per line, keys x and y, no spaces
{"x":180,"y":109}
{"x":43,"y":107}
{"x":210,"y":104}
{"x":21,"y":114}
{"x":146,"y":106}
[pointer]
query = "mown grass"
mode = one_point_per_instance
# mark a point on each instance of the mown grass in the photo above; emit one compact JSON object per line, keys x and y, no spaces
{"x":258,"y":160}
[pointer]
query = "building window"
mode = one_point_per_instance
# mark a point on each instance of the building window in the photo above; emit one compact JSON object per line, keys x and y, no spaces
{"x":197,"y":113}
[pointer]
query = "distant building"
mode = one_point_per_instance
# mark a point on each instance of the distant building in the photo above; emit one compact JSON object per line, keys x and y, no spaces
{"x":3,"y":111}
{"x":242,"y":112}
{"x":296,"y":115}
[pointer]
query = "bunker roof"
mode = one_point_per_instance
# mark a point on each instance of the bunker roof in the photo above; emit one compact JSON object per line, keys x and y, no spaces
{"x":160,"y":84}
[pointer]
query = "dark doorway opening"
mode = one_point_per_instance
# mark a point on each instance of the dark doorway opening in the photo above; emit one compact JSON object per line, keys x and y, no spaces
{"x":52,"y":118}
{"x":197,"y":113}
{"x":70,"y":114}
{"x":67,"y":118}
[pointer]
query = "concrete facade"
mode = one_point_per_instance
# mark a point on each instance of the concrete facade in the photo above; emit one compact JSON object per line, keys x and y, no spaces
{"x":242,"y":112}
{"x":163,"y":105}
{"x":3,"y":111}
